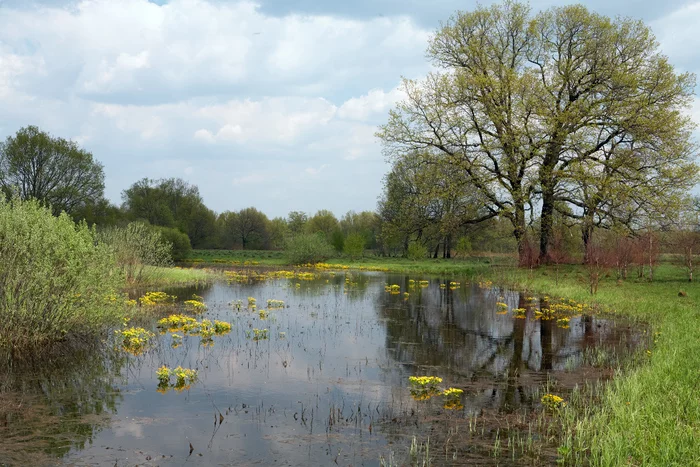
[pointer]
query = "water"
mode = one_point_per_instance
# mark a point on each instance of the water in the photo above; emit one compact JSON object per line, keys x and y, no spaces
{"x":328,"y":386}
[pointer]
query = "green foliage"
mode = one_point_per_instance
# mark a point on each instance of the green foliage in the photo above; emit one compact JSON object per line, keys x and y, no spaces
{"x":55,"y":171}
{"x":416,"y":251}
{"x":56,"y":282}
{"x":172,"y":203}
{"x":134,"y":247}
{"x":567,"y":108}
{"x":354,"y":245}
{"x":178,"y":242}
{"x":308,"y":248}
{"x":325,"y":222}
{"x":464,"y":247}
{"x":338,"y":240}
{"x":246,"y":229}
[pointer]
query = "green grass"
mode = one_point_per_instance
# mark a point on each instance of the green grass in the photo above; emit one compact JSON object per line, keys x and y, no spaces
{"x":237,"y":257}
{"x":154,"y":276}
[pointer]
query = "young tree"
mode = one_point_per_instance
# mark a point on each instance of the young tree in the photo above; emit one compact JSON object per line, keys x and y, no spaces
{"x":54,"y":171}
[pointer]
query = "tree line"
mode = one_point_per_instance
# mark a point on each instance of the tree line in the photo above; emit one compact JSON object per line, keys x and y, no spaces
{"x":545,"y":134}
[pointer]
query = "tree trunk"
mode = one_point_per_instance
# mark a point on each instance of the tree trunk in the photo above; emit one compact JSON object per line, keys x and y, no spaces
{"x":586,"y":236}
{"x":437,"y":250}
{"x":546,"y":221}
{"x":518,"y":222}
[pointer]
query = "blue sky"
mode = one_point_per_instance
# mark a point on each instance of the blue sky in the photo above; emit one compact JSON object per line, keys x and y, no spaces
{"x":271,"y":104}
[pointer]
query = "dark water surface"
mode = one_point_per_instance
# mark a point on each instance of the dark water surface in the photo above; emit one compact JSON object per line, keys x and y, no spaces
{"x":328,"y":386}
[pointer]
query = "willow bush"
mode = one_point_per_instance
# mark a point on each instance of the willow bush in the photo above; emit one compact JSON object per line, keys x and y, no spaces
{"x":56,"y":281}
{"x":135,"y":247}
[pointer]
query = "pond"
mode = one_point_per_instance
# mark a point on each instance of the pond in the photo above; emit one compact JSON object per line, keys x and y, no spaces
{"x":320,"y":377}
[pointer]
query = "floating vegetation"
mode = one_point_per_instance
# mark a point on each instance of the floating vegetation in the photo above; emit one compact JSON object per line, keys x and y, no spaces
{"x":552,"y":402}
{"x":174,"y":323}
{"x":452,"y":399}
{"x":258,"y":334}
{"x":184,"y":377}
{"x":176,"y":341}
{"x":275,"y":304}
{"x":251,"y":302}
{"x":262,"y":314}
{"x":393,"y":289}
{"x":221,"y":327}
{"x":424,"y":381}
{"x":156,"y":299}
{"x":195,"y":306}
{"x":501,"y":308}
{"x":485,"y":284}
{"x":135,"y":340}
{"x":424,"y":387}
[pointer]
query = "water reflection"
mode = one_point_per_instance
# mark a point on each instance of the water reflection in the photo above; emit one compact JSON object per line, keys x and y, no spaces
{"x":328,"y":385}
{"x":48,"y":409}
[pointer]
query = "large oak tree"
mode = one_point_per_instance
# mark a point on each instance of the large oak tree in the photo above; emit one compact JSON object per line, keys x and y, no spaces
{"x":532,"y":108}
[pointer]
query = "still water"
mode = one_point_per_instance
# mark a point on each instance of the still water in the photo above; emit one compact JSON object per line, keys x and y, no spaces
{"x":329,"y":385}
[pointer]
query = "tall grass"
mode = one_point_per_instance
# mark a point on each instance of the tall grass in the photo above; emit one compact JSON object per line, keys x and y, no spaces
{"x":56,"y":281}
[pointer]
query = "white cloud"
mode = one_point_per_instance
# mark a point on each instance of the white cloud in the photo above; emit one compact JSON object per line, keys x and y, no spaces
{"x":156,"y":90}
{"x":315,"y":171}
{"x":677,"y":33}
{"x":249,"y":179}
{"x":375,"y":103}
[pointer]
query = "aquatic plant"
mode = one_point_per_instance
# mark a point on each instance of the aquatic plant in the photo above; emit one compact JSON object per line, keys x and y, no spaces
{"x":184,"y":377}
{"x":195,"y":306}
{"x":423,"y":382}
{"x":135,"y":340}
{"x":251,"y":301}
{"x":221,"y":327}
{"x":156,"y":299}
{"x":552,"y":402}
{"x":258,"y":334}
{"x":176,"y":322}
{"x":275,"y":304}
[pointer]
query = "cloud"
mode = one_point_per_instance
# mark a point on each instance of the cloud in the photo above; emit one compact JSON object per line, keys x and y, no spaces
{"x":315,"y":171}
{"x":212,"y":90}
{"x":371,"y":105}
{"x":677,"y":34}
{"x":136,"y":51}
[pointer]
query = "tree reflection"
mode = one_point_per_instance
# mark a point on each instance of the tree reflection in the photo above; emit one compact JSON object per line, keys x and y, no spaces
{"x":48,"y":408}
{"x":459,"y":335}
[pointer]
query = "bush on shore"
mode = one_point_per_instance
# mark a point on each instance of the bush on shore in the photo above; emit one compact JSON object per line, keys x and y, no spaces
{"x":308,"y":248}
{"x":56,"y":281}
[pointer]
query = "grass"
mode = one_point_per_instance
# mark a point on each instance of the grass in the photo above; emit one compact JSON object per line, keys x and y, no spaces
{"x":154,"y":276}
{"x":237,"y":257}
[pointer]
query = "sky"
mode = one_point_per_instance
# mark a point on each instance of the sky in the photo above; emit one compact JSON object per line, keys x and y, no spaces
{"x":272,"y":104}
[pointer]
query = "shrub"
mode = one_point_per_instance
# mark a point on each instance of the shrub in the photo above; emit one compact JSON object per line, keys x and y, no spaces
{"x":354,"y":245}
{"x":136,"y":246}
{"x":308,"y":248}
{"x":416,"y":251}
{"x":464,"y":247}
{"x":177,"y":241}
{"x":56,"y":281}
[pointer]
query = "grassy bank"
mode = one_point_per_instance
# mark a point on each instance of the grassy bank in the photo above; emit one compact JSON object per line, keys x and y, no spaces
{"x":650,"y":414}
{"x":153,"y":276}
